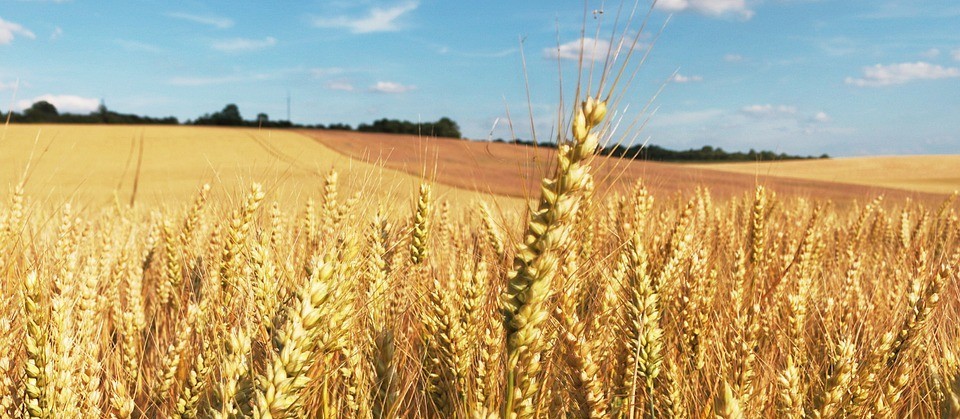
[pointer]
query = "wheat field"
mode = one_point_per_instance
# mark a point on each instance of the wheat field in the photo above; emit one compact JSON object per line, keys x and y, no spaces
{"x":306,"y":284}
{"x":934,"y":173}
{"x":108,"y":165}
{"x":594,"y":303}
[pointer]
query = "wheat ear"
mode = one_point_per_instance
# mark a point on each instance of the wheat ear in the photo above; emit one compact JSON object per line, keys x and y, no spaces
{"x":535,"y":262}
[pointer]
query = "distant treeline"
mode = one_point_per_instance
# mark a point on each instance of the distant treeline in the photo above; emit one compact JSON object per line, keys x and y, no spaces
{"x":703,"y":154}
{"x":45,"y":112}
{"x":445,"y":127}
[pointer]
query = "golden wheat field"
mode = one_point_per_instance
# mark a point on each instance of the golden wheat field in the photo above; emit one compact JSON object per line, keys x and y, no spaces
{"x":96,"y":165}
{"x":594,"y":303}
{"x":182,"y":272}
{"x":936,"y":174}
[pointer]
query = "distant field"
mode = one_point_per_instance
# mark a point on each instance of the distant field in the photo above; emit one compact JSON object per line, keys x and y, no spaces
{"x":98,"y":164}
{"x":935,"y":174}
{"x":513,"y":170}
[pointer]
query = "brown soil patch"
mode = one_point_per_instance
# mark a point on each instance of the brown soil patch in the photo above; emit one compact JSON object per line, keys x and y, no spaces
{"x":514,"y":170}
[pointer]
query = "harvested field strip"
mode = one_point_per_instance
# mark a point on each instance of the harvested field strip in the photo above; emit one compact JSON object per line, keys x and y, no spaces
{"x":514,"y":170}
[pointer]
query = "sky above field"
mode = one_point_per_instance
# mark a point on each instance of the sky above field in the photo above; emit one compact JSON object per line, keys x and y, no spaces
{"x":844,"y":77}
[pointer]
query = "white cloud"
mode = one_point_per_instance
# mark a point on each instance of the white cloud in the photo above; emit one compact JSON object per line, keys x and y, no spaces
{"x":712,"y":8}
{"x":56,"y":34}
{"x":955,"y":54}
{"x":769,"y":111}
{"x":391,"y":87}
{"x":340,"y":85}
{"x":930,"y":53}
{"x":733,"y":58}
{"x":214,"y":21}
{"x":821,"y":117}
{"x":593,"y":50}
{"x":377,"y":19}
{"x":10,"y":30}
{"x":243,"y":44}
{"x":64,"y":103}
{"x":887,"y":75}
{"x":680,"y":78}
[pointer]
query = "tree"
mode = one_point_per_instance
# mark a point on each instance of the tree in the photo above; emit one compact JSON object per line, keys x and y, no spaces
{"x":230,"y":115}
{"x":263,"y":119}
{"x":42,"y":111}
{"x":445,"y":127}
{"x":102,"y":113}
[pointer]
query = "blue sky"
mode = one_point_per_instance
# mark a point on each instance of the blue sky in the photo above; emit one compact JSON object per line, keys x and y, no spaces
{"x":845,"y":77}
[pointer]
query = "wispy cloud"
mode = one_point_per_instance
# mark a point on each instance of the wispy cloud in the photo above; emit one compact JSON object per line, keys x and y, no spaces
{"x":733,"y":58}
{"x":712,"y":8}
{"x":680,"y":78}
{"x":755,"y":126}
{"x":900,"y":73}
{"x":243,"y":44}
{"x":56,"y":34}
{"x":10,"y":30}
{"x":593,"y":49}
{"x":340,"y":85}
{"x":930,"y":53}
{"x":492,"y":54}
{"x":839,"y":46}
{"x":910,"y":10}
{"x":785,"y":117}
{"x":7,"y":85}
{"x":137,"y":46}
{"x":769,"y":111}
{"x":64,"y":103}
{"x":214,"y":21}
{"x":955,"y":54}
{"x":391,"y":87}
{"x":377,"y":19}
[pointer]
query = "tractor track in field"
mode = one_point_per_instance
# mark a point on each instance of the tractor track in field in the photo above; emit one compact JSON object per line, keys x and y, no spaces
{"x":139,"y":168}
{"x":280,"y":155}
